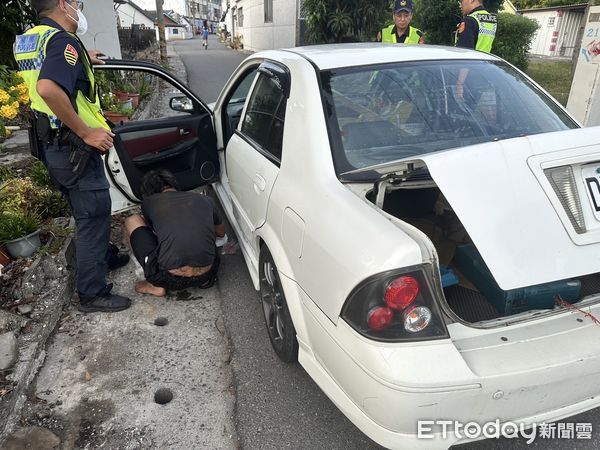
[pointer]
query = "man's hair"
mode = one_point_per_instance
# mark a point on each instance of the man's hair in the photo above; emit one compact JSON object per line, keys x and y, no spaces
{"x":43,"y":7}
{"x":157,"y":181}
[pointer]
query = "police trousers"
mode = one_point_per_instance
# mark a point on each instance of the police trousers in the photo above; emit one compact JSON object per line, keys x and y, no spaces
{"x":89,"y":198}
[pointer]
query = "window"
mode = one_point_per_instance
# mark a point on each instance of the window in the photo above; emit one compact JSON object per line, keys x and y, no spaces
{"x":385,"y":113}
{"x":265,"y":115}
{"x":268,"y":11}
{"x":551,"y":21}
{"x":240,"y":17}
{"x":175,"y":31}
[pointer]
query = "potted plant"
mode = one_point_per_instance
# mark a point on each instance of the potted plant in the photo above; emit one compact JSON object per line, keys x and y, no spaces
{"x":114,"y":110}
{"x":20,"y":233}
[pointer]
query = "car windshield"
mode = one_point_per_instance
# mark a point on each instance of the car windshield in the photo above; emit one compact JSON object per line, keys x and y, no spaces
{"x":379,"y":114}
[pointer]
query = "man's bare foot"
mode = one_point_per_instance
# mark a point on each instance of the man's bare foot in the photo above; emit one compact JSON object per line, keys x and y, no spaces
{"x":145,"y":287}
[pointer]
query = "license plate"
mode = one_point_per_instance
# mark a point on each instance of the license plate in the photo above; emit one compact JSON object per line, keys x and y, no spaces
{"x":591,"y":178}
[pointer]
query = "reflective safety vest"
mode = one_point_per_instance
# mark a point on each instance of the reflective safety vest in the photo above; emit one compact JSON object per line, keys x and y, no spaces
{"x":388,"y":35}
{"x":30,"y":52}
{"x":487,"y":24}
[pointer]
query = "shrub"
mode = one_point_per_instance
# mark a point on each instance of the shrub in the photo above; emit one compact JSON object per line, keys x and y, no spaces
{"x":513,"y":38}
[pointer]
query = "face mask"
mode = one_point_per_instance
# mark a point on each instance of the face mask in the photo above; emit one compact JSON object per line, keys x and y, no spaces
{"x":82,"y":25}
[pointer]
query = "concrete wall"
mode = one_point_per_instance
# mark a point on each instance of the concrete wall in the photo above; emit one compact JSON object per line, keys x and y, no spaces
{"x":102,"y":28}
{"x":258,"y":35}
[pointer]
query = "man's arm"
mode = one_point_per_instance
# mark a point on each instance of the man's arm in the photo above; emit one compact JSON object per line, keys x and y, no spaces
{"x":467,"y":33}
{"x":60,"y":104}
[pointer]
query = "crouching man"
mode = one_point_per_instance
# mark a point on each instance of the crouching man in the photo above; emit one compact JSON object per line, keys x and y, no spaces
{"x":174,"y":241}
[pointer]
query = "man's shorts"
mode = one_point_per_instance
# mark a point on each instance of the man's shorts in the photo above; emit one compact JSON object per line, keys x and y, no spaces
{"x":144,"y":244}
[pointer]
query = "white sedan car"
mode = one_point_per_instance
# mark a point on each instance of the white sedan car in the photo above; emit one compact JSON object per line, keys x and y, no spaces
{"x":423,"y":224}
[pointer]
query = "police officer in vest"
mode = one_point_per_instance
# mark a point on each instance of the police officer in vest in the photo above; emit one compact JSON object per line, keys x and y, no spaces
{"x":478,"y":28}
{"x":72,"y":135}
{"x":401,"y":31}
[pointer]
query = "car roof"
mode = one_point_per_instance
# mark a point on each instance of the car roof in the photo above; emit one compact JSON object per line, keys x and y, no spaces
{"x":332,"y":56}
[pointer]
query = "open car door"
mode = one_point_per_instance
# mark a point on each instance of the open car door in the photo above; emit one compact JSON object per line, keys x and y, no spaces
{"x":182,"y":141}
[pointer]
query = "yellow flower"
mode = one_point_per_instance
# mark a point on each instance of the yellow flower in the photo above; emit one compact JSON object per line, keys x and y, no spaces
{"x":23,"y":88}
{"x":24,"y":98}
{"x":4,"y":97}
{"x":15,"y":104}
{"x":8,"y":112}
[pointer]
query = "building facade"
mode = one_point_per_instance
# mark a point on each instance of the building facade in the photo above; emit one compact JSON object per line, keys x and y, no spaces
{"x":558,"y":29}
{"x":264,"y":24}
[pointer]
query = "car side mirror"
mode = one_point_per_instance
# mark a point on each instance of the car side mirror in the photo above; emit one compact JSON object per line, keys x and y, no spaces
{"x":181,"y":104}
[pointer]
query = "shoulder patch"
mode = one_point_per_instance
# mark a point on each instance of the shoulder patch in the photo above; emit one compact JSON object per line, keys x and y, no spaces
{"x":26,"y":43}
{"x":71,"y":54}
{"x":461,"y":27}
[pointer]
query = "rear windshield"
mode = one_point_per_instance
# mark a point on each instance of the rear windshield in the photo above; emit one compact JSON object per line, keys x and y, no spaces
{"x":383,"y":113}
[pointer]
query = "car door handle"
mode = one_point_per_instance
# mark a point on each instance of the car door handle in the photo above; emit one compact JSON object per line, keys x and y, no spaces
{"x":183,"y":132}
{"x":259,"y":184}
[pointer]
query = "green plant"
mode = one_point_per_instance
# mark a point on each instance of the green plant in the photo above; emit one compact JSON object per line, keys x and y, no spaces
{"x":6,"y":173}
{"x":23,"y":195}
{"x":513,"y":38}
{"x":39,"y":174}
{"x":14,"y":225}
{"x":350,"y":20}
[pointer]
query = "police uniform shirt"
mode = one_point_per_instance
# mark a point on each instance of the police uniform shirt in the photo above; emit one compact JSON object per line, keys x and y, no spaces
{"x":399,"y":39}
{"x":468,"y":31}
{"x":63,"y":61}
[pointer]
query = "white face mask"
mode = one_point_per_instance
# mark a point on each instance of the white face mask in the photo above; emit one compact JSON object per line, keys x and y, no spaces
{"x":82,"y":25}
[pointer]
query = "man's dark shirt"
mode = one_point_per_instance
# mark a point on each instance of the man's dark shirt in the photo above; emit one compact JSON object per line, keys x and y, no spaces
{"x":467,"y":38}
{"x":63,"y":61}
{"x":184,"y":223}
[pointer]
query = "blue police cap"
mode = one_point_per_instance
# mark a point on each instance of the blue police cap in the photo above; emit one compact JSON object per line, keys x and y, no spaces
{"x":403,"y":5}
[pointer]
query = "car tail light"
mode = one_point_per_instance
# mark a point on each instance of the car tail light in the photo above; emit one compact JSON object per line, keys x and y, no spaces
{"x":396,"y":306}
{"x":563,"y":182}
{"x":401,"y":292}
{"x":380,"y":318}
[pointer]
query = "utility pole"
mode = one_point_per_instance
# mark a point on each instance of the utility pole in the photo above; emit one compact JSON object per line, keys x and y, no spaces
{"x":161,"y":31}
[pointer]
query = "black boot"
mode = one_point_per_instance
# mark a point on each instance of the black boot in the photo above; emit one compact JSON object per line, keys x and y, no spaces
{"x":104,"y":303}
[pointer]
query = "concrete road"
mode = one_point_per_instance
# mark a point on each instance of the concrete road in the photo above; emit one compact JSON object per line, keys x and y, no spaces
{"x":278,"y":405}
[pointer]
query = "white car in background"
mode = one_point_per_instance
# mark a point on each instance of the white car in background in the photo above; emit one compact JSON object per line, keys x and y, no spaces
{"x":425,"y":248}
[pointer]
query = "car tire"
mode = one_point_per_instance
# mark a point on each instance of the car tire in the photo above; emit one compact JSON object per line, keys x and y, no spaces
{"x":275,"y":310}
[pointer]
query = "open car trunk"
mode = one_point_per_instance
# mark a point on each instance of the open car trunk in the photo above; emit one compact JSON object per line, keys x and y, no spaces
{"x":469,"y":287}
{"x":512,"y":234}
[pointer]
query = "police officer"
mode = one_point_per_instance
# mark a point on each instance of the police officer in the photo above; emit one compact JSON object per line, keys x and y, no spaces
{"x":401,"y":31}
{"x":58,"y":72}
{"x":478,"y":28}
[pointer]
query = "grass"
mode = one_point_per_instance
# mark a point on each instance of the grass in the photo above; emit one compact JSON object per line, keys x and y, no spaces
{"x":554,"y":76}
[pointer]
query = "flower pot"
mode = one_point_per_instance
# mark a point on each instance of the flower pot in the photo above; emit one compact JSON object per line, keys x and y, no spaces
{"x":121,"y":95}
{"x":135,"y":99}
{"x":24,"y":246}
{"x":127,"y":104}
{"x":115,"y":117}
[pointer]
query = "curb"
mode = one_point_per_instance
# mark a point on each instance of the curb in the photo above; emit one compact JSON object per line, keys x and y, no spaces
{"x":32,"y":342}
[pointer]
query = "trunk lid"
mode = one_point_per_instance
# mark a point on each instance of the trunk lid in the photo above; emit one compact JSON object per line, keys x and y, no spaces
{"x":524,"y":226}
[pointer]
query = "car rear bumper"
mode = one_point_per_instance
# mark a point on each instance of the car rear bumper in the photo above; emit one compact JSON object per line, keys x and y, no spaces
{"x":387,"y":389}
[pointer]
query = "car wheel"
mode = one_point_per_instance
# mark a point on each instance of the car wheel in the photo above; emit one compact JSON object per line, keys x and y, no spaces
{"x":277,"y":315}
